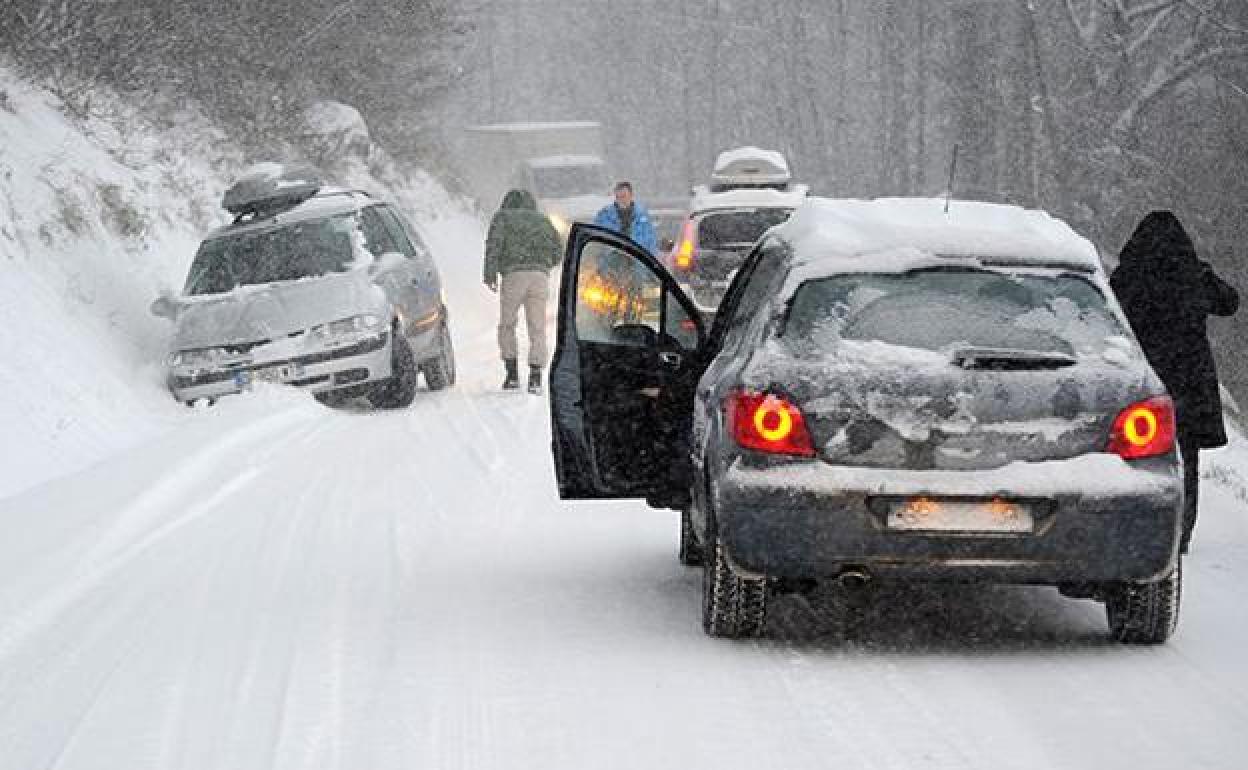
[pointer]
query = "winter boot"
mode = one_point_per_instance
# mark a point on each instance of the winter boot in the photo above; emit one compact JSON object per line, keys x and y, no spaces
{"x":512,"y":380}
{"x":535,"y":379}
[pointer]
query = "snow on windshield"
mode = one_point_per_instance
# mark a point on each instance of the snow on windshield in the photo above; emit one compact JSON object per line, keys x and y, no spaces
{"x":298,"y":250}
{"x":942,"y":310}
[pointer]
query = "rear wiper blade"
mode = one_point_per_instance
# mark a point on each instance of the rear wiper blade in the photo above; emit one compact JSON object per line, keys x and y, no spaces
{"x":1011,"y":360}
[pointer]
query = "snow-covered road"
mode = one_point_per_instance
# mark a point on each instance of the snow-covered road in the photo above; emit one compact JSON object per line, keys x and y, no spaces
{"x":273,"y":584}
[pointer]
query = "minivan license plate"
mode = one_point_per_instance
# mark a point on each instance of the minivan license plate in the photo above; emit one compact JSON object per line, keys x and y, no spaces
{"x":922,"y":514}
{"x":281,"y":373}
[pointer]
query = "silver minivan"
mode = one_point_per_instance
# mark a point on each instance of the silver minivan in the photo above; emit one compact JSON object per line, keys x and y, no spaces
{"x":324,"y":289}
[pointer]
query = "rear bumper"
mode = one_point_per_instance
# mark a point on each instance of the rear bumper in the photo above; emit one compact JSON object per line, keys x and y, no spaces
{"x":349,"y":367}
{"x":813,"y":520}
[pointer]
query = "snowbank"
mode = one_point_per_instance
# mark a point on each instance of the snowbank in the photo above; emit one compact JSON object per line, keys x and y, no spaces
{"x":95,"y":219}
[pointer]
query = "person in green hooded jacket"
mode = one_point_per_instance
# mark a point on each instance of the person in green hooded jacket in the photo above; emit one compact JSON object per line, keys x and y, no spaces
{"x":520,"y":249}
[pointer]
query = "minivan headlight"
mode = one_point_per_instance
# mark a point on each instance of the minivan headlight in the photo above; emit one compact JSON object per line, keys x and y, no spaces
{"x":344,"y":327}
{"x":200,"y":357}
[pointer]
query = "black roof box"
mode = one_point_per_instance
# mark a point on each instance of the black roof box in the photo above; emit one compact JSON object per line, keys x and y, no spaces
{"x":269,"y":188}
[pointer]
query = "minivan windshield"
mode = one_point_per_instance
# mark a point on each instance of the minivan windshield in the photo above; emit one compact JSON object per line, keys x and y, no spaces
{"x":569,"y":181}
{"x":940,"y":310}
{"x":297,"y":250}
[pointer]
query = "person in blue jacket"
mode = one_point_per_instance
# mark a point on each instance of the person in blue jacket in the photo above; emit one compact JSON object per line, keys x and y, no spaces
{"x":630,"y":218}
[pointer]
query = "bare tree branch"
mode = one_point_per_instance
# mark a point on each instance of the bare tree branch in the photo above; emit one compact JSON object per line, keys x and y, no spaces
{"x":1184,"y":65}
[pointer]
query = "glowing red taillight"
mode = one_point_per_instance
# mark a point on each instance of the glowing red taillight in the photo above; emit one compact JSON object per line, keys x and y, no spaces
{"x":682,"y":257}
{"x":1144,"y":429}
{"x":768,"y":423}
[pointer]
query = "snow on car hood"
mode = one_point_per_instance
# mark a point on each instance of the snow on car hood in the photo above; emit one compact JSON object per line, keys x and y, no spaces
{"x":256,"y":313}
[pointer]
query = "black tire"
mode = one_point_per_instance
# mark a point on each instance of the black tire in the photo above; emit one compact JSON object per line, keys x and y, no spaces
{"x":439,"y":371}
{"x":690,"y":549}
{"x":1144,"y":613}
{"x":398,"y":391}
{"x":733,"y":607}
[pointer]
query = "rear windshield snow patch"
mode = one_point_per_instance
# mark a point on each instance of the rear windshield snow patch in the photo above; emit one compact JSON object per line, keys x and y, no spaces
{"x":943,"y":310}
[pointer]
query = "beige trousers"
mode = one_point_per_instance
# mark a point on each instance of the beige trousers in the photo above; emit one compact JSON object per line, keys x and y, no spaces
{"x":527,"y":288}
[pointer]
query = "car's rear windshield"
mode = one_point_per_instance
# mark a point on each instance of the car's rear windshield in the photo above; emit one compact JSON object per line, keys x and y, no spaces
{"x":737,"y":228}
{"x":943,"y":310}
{"x":297,"y":250}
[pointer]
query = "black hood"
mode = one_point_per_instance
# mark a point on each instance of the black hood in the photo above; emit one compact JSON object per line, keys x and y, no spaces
{"x":1159,"y":243}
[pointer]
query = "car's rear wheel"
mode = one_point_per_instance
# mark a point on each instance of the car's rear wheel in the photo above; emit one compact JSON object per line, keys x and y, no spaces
{"x":1144,"y":613}
{"x":733,"y":607}
{"x":398,"y":391}
{"x":690,"y":548}
{"x":440,"y":370}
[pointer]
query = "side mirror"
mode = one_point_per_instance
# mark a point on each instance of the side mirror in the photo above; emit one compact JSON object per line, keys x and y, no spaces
{"x":165,"y":306}
{"x":635,"y":335}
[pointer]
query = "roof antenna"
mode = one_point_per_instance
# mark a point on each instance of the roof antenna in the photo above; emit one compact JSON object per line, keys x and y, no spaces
{"x":953,"y":175}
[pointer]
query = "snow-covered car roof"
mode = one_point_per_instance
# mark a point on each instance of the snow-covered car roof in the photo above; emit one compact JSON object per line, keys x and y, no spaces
{"x":744,"y":198}
{"x":896,"y":234}
{"x":327,"y":202}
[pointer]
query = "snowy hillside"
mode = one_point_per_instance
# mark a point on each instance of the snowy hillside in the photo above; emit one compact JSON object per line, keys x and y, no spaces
{"x":94,"y":221}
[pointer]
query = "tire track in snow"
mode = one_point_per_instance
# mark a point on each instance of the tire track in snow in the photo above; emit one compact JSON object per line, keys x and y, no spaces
{"x":155,"y":594}
{"x":116,"y":552}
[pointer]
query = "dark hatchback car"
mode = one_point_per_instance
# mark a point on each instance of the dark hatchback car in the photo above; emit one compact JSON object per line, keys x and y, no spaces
{"x":886,"y":392}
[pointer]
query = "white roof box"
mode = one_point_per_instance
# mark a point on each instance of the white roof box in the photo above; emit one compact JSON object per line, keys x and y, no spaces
{"x":268,"y":188}
{"x":750,"y":167}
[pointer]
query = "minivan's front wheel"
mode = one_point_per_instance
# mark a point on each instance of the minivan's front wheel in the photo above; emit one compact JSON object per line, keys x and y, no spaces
{"x":398,"y":391}
{"x":733,"y":607}
{"x":440,"y":370}
{"x":1144,"y":613}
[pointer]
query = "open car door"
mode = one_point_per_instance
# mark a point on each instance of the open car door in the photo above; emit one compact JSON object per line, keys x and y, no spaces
{"x":627,"y":359}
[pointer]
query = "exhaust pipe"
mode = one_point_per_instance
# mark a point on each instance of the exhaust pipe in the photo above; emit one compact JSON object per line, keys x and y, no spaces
{"x":853,"y":578}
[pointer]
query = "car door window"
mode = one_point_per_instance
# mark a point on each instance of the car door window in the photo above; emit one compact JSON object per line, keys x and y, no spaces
{"x":621,"y":301}
{"x":617,"y":298}
{"x":679,"y":325}
{"x":376,"y":237}
{"x":760,"y":285}
{"x":397,"y":233}
{"x":418,"y":243}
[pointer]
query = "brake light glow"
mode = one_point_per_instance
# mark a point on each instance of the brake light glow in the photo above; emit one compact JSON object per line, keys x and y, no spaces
{"x":768,"y":423}
{"x":683,"y":258}
{"x":1144,"y":429}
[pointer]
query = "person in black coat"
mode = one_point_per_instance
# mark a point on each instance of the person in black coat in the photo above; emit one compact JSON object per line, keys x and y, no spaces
{"x":1167,"y":293}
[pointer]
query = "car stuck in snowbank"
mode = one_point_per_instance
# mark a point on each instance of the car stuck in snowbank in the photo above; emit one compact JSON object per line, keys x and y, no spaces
{"x":321,"y":288}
